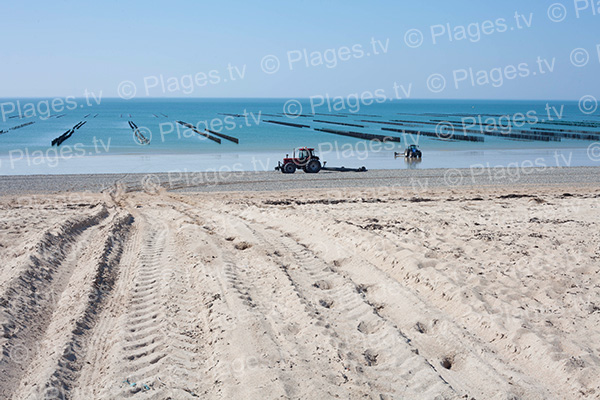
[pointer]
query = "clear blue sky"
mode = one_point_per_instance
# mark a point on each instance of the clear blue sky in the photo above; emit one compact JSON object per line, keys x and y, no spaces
{"x":61,"y":48}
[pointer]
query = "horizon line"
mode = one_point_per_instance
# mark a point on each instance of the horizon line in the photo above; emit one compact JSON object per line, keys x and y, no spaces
{"x":274,"y":98}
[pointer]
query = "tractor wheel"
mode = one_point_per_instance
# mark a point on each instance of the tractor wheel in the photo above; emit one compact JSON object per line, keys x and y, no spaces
{"x":289,"y":168}
{"x":312,"y":167}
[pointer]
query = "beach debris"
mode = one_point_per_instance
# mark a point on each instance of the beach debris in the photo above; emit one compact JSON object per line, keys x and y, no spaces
{"x":143,"y":386}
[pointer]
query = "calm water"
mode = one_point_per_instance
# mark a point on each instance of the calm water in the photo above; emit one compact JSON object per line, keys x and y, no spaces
{"x":106,"y":143}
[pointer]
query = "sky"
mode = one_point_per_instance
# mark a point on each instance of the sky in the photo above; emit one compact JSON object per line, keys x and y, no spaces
{"x":427,"y":49}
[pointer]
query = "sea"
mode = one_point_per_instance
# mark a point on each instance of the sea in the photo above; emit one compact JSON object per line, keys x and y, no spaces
{"x":89,"y":135}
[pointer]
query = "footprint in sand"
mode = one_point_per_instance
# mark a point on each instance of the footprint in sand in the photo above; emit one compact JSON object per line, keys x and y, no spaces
{"x":371,"y":357}
{"x":327,"y":303}
{"x":421,"y":328}
{"x":447,"y":362}
{"x":323,"y":285}
{"x":242,"y":245}
{"x":368,"y":327}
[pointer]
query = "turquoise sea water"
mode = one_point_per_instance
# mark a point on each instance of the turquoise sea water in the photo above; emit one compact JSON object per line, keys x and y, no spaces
{"x":106,"y":142}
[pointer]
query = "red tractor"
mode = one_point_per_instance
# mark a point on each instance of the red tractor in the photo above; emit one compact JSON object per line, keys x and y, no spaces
{"x":306,"y":160}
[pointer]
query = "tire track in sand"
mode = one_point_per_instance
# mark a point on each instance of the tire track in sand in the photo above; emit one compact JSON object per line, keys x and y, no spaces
{"x":161,"y":345}
{"x":461,"y":358}
{"x":352,"y":329}
{"x":144,"y":342}
{"x":65,"y":376}
{"x":241,"y":356}
{"x":35,"y":294}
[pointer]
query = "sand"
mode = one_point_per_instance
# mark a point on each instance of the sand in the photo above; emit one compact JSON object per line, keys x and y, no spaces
{"x":437,"y":293}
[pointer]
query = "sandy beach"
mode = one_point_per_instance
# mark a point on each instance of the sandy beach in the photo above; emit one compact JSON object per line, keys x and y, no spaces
{"x":485,"y":292}
{"x":300,"y":200}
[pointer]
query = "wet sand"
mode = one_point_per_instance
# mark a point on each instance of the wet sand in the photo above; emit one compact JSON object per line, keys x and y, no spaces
{"x":272,"y":181}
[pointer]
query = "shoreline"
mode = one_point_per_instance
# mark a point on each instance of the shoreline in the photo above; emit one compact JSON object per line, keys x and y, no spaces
{"x":49,"y":162}
{"x":417,"y":179}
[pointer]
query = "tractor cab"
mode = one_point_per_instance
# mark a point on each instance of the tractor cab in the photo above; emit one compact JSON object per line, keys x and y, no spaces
{"x":304,"y":154}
